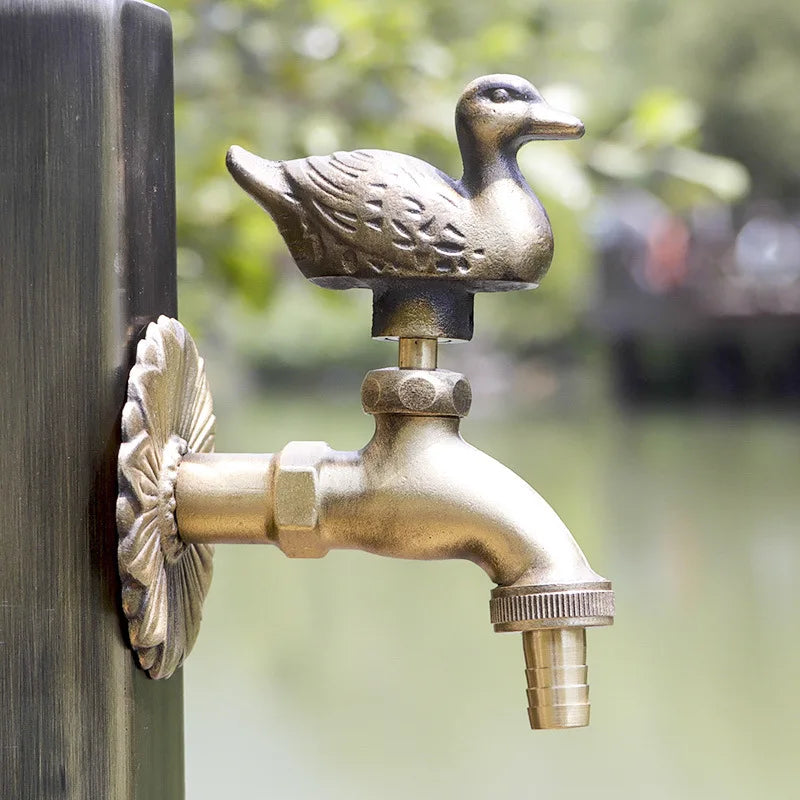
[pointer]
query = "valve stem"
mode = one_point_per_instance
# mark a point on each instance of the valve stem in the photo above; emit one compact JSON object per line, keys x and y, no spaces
{"x":417,"y":353}
{"x":558,"y":692}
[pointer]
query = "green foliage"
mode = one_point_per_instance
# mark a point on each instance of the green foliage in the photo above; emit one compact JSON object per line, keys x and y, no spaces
{"x":654,"y":82}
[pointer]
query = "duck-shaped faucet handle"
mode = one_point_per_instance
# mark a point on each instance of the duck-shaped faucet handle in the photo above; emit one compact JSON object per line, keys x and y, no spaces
{"x":422,"y":241}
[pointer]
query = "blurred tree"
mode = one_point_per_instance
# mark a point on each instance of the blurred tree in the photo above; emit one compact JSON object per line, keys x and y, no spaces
{"x":654,"y":81}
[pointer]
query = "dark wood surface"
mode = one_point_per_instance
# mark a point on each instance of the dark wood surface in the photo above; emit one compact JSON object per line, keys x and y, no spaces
{"x":87,"y":257}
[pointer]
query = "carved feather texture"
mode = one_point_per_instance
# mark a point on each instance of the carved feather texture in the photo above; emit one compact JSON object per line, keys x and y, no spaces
{"x":382,"y":209}
{"x":164,"y":581}
{"x":368,"y":217}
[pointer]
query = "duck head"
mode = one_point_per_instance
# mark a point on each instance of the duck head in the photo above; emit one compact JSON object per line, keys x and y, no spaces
{"x":497,"y":114}
{"x":503,"y":110}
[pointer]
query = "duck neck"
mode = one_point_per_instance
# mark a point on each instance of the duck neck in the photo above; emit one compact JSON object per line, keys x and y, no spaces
{"x":486,"y":162}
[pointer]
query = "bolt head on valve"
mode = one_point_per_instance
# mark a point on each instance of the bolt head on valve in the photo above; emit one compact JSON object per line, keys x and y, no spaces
{"x":438,"y":393}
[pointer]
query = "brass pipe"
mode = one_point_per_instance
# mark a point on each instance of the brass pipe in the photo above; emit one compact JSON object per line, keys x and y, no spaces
{"x":225,"y":498}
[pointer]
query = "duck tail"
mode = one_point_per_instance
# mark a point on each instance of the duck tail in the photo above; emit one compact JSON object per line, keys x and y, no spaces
{"x":265,"y":181}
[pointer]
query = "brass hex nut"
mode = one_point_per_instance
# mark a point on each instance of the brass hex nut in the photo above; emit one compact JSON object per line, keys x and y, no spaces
{"x":426,"y":392}
{"x":297,"y":499}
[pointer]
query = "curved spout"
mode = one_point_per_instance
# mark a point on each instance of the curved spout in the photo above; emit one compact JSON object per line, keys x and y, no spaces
{"x":419,"y":491}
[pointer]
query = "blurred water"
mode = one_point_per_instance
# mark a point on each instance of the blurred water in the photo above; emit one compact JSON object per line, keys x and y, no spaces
{"x":357,"y":677}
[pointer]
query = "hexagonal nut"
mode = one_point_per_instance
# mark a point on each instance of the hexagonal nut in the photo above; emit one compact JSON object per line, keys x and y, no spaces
{"x":425,"y":392}
{"x":297,"y":498}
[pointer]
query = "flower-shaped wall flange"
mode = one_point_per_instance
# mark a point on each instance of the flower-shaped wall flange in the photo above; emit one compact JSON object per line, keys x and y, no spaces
{"x":168,"y":414}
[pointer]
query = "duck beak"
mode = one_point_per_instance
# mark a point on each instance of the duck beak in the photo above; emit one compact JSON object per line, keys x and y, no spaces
{"x":547,"y":122}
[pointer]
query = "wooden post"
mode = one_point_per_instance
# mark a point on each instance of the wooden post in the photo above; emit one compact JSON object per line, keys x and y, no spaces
{"x":87,"y":258}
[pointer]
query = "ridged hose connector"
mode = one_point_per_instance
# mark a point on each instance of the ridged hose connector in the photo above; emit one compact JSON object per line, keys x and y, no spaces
{"x":558,"y":689}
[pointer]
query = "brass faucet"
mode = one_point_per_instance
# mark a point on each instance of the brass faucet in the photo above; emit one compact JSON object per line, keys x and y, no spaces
{"x":417,"y":490}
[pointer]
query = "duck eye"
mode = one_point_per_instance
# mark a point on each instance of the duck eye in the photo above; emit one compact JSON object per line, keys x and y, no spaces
{"x":499,"y":95}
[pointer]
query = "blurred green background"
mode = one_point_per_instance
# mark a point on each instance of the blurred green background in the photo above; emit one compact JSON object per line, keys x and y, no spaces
{"x":356,"y":677}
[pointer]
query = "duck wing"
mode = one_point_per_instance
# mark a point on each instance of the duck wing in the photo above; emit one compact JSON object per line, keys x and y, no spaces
{"x":376,"y":209}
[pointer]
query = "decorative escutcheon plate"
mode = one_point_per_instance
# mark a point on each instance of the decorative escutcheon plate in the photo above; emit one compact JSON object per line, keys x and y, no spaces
{"x":168,"y":414}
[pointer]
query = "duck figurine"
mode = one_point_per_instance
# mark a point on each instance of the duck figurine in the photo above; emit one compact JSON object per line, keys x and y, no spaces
{"x":422,"y":241}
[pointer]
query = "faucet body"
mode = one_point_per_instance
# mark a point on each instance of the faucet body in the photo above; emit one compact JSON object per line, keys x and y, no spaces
{"x":424,"y":244}
{"x":417,"y":490}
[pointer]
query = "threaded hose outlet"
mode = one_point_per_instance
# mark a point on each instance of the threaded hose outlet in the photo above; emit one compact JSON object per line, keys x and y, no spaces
{"x":558,"y":691}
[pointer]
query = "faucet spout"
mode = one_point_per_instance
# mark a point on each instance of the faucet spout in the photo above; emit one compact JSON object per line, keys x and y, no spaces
{"x":419,"y":491}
